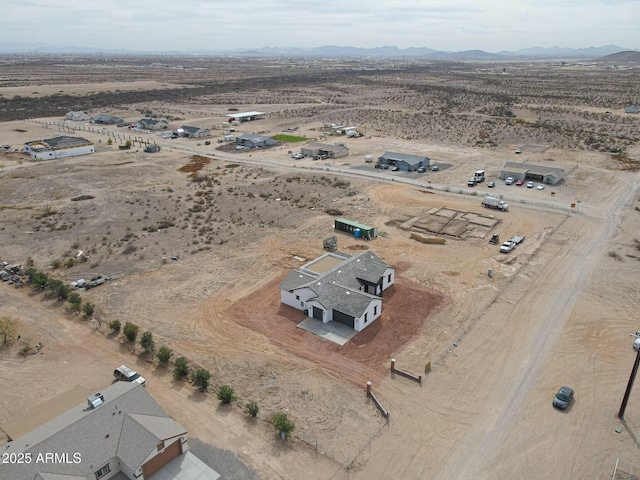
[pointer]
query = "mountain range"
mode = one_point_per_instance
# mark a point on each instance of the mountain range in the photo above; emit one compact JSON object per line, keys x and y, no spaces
{"x":333,"y":51}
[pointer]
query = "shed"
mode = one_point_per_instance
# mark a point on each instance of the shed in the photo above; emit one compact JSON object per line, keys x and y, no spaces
{"x":348,"y":226}
{"x":404,"y":161}
{"x":255,"y":141}
{"x":632,"y":109}
{"x":331,"y":151}
{"x":152,"y":148}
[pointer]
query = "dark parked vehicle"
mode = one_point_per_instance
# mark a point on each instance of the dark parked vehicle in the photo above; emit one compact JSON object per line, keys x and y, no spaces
{"x":491,"y":184}
{"x":563,"y":398}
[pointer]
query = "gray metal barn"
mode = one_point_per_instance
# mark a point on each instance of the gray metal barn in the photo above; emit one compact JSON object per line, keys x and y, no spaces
{"x":404,"y":161}
{"x":537,"y":173}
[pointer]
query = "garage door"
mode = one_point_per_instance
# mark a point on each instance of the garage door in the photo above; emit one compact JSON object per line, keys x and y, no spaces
{"x":317,"y":313}
{"x":343,"y":318}
{"x":160,"y":460}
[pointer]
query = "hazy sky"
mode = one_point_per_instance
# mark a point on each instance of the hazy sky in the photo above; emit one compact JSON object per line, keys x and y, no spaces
{"x":449,"y":25}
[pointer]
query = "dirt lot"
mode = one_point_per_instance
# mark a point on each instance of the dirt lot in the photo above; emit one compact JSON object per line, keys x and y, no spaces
{"x":558,"y":310}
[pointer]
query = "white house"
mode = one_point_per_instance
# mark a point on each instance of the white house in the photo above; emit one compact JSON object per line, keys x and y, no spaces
{"x":119,"y":433}
{"x":59,"y":147}
{"x":339,"y":287}
{"x":193,"y":132}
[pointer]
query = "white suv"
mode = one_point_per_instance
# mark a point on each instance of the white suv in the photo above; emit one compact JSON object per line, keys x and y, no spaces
{"x":126,"y":374}
{"x":509,"y":181}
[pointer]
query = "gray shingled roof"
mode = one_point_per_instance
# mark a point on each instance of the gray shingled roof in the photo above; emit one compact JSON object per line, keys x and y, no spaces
{"x":188,"y":129}
{"x":345,"y":300}
{"x":64,"y":141}
{"x":296,"y":279}
{"x":331,"y":287}
{"x":404,"y":157}
{"x":130,"y":423}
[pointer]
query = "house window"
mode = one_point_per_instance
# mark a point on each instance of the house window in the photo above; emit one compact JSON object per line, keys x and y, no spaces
{"x":103,"y":471}
{"x":375,"y":309}
{"x":161,"y":446}
{"x":297,"y":297}
{"x":365,"y":317}
{"x":389,"y":278}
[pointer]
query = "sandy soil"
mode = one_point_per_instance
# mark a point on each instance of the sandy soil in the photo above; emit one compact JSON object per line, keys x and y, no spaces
{"x":556,"y":311}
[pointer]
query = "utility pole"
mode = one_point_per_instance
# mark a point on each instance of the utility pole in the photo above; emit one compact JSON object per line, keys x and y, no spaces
{"x":632,"y":378}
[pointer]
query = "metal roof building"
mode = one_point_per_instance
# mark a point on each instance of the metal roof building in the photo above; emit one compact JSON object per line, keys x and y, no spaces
{"x":526,"y":171}
{"x":331,"y":151}
{"x":404,"y":161}
{"x":255,"y":141}
{"x":246,"y":116}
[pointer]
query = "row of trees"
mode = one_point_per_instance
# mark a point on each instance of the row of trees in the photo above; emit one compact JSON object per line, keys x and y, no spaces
{"x":200,"y":377}
{"x":58,"y":289}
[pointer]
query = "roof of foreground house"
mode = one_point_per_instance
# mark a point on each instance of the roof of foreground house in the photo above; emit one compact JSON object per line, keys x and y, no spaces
{"x":129,"y":426}
{"x":338,"y":288}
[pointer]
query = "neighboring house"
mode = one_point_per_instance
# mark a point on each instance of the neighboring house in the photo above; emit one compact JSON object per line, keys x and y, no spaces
{"x":59,"y":147}
{"x":152,"y":123}
{"x":193,"y":132}
{"x":404,"y":161}
{"x":255,"y":141}
{"x":339,"y":287}
{"x":537,"y":173}
{"x":120,"y":433}
{"x":78,"y":116}
{"x":106,"y":119}
{"x":632,"y":109}
{"x":331,"y":151}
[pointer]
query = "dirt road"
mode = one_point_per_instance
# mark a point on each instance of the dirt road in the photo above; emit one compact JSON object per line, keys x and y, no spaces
{"x":486,"y":412}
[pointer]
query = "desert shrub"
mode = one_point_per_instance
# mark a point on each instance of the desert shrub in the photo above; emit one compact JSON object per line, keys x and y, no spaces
{"x":252,"y":409}
{"x":226,"y":394}
{"x":75,"y":300}
{"x":115,"y":325}
{"x":164,"y":354}
{"x":147,"y":341}
{"x":130,"y":331}
{"x":200,"y":378}
{"x":8,"y":330}
{"x":615,"y":255}
{"x":88,"y":309}
{"x":283,"y":424}
{"x":181,"y":369}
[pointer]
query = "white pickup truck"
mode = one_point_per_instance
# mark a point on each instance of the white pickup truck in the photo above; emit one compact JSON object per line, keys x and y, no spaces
{"x":506,"y":247}
{"x":510,"y":244}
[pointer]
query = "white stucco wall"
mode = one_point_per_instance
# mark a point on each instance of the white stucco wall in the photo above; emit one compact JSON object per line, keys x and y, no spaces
{"x":289,"y":298}
{"x":385,"y":281}
{"x":359,"y":324}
